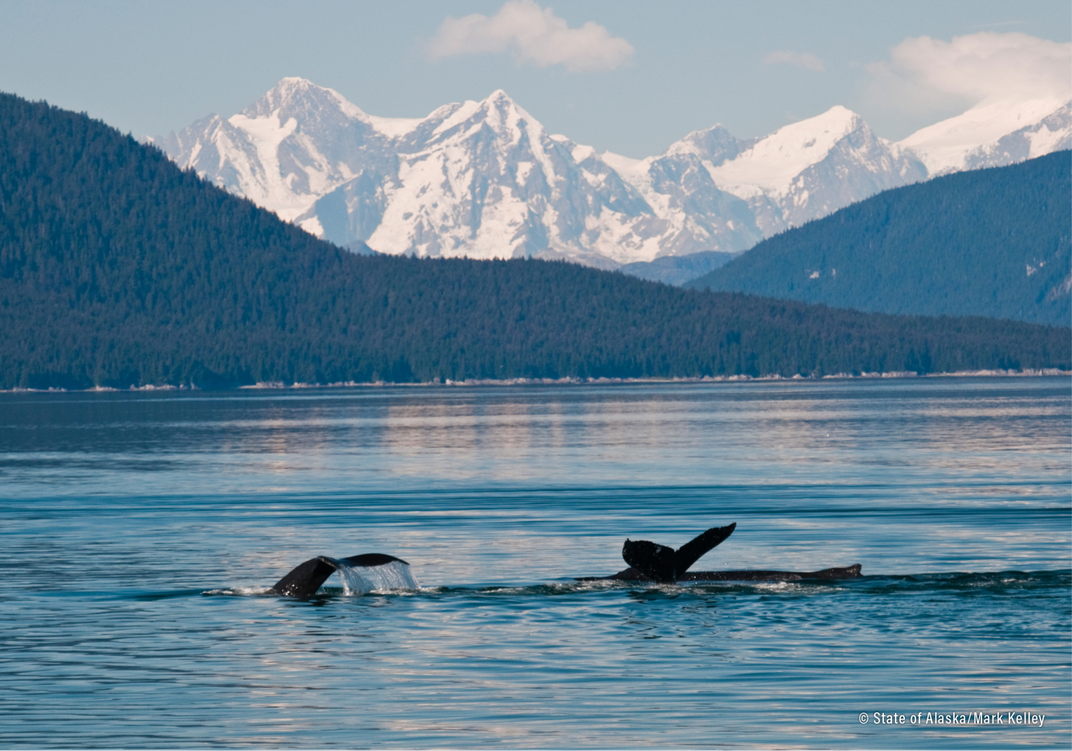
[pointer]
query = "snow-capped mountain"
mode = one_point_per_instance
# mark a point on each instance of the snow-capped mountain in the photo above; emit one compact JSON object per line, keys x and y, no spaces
{"x":485,"y":180}
{"x":285,"y":151}
{"x":803,"y":171}
{"x":993,"y":134}
{"x":477,"y":179}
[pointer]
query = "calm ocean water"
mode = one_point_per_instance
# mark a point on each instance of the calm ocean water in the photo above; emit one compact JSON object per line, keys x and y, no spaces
{"x":138,"y":532}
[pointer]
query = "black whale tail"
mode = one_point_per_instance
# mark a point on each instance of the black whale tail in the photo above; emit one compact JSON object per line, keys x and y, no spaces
{"x":305,"y":579}
{"x":664,"y":564}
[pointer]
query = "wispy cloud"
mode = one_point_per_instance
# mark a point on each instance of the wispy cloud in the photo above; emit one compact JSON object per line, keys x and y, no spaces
{"x":988,"y":66}
{"x":804,"y":60}
{"x":534,"y":35}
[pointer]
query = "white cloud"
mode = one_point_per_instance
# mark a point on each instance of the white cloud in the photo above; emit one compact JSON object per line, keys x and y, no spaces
{"x":804,"y":60}
{"x":533,"y":34}
{"x":983,"y":67}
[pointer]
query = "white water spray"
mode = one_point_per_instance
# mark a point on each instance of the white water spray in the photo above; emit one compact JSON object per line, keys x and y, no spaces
{"x":360,"y":580}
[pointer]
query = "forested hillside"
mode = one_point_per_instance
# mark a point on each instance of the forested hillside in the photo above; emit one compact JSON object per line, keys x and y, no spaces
{"x":992,"y":242}
{"x":117,"y":268}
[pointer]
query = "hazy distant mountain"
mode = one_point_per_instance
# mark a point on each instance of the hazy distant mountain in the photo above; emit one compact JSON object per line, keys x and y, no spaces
{"x":677,"y":270}
{"x":485,"y":180}
{"x":995,"y":242}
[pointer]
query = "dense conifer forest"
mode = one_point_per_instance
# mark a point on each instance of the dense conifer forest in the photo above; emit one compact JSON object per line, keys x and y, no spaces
{"x":118,"y":269}
{"x":994,"y":242}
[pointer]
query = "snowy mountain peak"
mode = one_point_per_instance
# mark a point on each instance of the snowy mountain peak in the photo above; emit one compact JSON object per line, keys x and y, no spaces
{"x":810,"y":168}
{"x":502,"y":114}
{"x":714,"y":145}
{"x":836,"y":116}
{"x":458,"y":122}
{"x":809,"y":140}
{"x":484,"y":179}
{"x":499,"y":99}
{"x":772,"y":163}
{"x":994,"y":133}
{"x":297,"y":96}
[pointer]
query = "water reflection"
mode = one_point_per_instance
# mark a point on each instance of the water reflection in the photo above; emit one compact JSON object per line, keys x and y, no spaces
{"x":696,"y":433}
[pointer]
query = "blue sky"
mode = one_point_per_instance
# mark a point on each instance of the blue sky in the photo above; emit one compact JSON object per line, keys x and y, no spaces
{"x":620,"y":75}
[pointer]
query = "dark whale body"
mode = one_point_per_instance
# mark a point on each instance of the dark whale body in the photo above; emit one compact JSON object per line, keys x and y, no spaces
{"x":649,"y":561}
{"x":745,"y":575}
{"x":828,"y":574}
{"x":305,"y":579}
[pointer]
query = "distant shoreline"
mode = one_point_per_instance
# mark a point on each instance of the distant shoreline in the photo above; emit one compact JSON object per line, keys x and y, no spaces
{"x":279,"y":386}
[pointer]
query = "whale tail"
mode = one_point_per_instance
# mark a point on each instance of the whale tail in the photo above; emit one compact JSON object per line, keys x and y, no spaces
{"x":305,"y":579}
{"x":664,"y":564}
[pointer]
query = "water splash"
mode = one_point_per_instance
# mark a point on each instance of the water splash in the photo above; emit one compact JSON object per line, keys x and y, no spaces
{"x":240,"y":591}
{"x":360,"y":580}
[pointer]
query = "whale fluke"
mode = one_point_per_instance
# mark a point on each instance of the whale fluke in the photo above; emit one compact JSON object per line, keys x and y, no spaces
{"x":649,"y":561}
{"x":305,"y":579}
{"x":664,"y":564}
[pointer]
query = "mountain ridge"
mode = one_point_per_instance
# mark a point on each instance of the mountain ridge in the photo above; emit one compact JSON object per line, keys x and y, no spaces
{"x":486,"y":180}
{"x":990,"y":242}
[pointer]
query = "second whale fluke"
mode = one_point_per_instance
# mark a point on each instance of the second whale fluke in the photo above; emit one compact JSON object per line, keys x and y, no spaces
{"x":649,"y":561}
{"x":663,"y":564}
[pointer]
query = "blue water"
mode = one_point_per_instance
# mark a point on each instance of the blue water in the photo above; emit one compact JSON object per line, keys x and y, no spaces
{"x":139,"y":532}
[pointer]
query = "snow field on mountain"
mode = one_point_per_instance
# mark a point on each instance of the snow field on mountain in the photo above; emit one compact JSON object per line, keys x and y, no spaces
{"x":484,"y":179}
